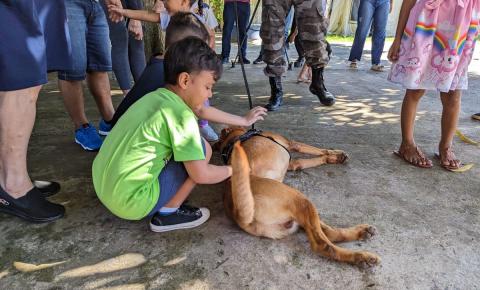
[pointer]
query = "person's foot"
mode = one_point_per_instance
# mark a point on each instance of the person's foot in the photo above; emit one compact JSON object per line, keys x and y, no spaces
{"x":47,"y":188}
{"x":299,"y":62}
{"x":476,"y":116}
{"x":208,"y":133}
{"x":448,"y":159}
{"x":317,"y":87}
{"x":258,"y":60}
{"x":87,"y":137}
{"x":32,"y":207}
{"x":185,"y":217}
{"x":104,"y":128}
{"x":377,"y":68}
{"x":276,"y":94}
{"x":225,"y":60}
{"x":353,"y":64}
{"x":245,"y":61}
{"x":413,"y":155}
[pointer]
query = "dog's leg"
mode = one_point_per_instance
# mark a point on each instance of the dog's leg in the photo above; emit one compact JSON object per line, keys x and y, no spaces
{"x":308,"y":218}
{"x":335,"y":156}
{"x":298,"y":164}
{"x":358,"y":232}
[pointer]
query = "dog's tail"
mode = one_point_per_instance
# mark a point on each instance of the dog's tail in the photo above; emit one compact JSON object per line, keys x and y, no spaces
{"x":243,"y":202}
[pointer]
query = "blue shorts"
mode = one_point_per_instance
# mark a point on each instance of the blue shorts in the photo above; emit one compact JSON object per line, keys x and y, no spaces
{"x":34,"y":39}
{"x":89,"y":34}
{"x":171,"y":178}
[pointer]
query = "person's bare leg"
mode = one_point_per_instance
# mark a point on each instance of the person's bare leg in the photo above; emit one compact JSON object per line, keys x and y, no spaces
{"x":99,"y":86}
{"x":408,"y":149}
{"x":187,"y":187}
{"x":72,"y":92}
{"x":451,"y":102}
{"x":17,"y":116}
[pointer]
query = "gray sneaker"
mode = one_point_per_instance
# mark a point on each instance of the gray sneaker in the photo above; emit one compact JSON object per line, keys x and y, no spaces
{"x":186,"y":217}
{"x":208,"y":133}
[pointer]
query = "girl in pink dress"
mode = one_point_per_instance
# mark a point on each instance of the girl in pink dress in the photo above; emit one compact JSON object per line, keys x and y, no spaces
{"x":432,"y":49}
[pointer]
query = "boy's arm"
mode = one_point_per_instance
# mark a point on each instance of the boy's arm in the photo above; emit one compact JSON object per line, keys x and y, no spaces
{"x":142,"y":15}
{"x":203,"y":173}
{"x":218,"y":116}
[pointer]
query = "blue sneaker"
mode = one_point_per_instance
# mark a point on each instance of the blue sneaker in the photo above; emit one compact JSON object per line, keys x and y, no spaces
{"x":88,"y":138}
{"x":104,"y":128}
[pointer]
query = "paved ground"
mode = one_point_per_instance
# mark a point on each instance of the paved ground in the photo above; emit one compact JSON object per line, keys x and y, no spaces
{"x":427,"y":220}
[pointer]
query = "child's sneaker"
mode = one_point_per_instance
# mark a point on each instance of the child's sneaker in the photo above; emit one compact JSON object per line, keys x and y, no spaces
{"x":208,"y":133}
{"x":87,"y":137}
{"x":104,"y":128}
{"x":185,"y":217}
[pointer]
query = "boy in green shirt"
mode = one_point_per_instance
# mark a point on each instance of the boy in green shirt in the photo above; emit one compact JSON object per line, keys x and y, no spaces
{"x":154,"y":156}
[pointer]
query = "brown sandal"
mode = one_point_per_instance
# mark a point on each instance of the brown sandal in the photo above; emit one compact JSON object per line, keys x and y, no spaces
{"x":448,"y":167}
{"x":420,"y":154}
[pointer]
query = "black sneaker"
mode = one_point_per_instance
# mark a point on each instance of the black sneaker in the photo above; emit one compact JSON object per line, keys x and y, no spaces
{"x":32,"y":207}
{"x":476,"y":116}
{"x":47,"y":188}
{"x":245,"y":61}
{"x":185,"y":217}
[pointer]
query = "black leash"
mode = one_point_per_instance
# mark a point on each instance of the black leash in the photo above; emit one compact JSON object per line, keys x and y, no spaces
{"x":241,"y":57}
{"x":227,"y":151}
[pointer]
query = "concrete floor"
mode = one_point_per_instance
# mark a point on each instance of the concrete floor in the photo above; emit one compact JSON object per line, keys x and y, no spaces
{"x":427,"y":220}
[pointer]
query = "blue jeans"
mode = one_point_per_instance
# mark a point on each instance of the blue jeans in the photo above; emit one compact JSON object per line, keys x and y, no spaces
{"x":171,"y":178}
{"x":229,"y":18}
{"x":88,"y":28}
{"x":375,"y":11}
{"x":128,"y":54}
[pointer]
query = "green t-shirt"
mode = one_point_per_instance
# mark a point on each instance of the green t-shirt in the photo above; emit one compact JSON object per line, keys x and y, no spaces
{"x":125,"y":171}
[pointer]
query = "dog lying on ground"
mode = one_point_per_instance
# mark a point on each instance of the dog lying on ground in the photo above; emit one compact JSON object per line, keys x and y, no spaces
{"x":262,"y":205}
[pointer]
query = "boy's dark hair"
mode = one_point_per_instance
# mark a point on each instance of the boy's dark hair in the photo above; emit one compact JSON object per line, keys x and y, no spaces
{"x":190,"y":55}
{"x":184,"y":24}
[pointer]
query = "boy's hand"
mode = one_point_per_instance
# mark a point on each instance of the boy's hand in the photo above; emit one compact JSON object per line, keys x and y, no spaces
{"x":394,"y":51}
{"x":115,"y":11}
{"x":135,"y":28}
{"x":254,"y":115}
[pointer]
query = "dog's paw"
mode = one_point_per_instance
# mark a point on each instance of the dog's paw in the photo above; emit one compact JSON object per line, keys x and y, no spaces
{"x":337,"y":157}
{"x":366,"y":232}
{"x":366,"y":260}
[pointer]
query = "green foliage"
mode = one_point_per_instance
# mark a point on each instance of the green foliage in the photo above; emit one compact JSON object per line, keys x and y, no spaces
{"x":217,"y":6}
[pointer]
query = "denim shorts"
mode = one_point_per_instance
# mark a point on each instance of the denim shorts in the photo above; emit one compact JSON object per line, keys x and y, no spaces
{"x":34,"y":39}
{"x":90,"y":39}
{"x":171,"y":178}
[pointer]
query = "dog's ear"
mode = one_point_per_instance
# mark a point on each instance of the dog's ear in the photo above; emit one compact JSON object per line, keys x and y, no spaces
{"x":225,"y":132}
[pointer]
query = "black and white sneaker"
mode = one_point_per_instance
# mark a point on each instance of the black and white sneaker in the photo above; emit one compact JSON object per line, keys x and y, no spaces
{"x":185,"y":217}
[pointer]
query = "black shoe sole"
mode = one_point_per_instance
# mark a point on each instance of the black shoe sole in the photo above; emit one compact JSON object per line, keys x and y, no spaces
{"x":29,"y":218}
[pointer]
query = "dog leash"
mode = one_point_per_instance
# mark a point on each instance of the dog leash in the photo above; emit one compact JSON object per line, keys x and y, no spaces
{"x":227,"y":151}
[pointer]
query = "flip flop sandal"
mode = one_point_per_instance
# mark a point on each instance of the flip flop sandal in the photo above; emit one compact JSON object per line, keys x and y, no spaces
{"x":448,"y":167}
{"x":353,"y":65}
{"x":397,"y":153}
{"x":378,"y":68}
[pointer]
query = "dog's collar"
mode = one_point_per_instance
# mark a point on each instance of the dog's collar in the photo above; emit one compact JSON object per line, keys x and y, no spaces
{"x":227,"y":150}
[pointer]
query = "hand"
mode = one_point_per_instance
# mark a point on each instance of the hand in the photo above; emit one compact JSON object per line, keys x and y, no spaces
{"x":394,"y":51}
{"x":115,"y":10}
{"x":135,"y":28}
{"x":254,"y":115}
{"x":158,"y":7}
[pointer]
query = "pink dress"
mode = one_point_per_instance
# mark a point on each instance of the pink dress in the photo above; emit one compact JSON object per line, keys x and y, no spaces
{"x":437,"y":45}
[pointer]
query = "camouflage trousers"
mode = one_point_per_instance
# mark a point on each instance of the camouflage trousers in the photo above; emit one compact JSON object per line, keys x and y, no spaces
{"x":312,"y":30}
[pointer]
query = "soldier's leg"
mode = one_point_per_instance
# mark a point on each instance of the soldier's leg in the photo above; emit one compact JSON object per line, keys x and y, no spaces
{"x":272,"y":33}
{"x":312,"y":29}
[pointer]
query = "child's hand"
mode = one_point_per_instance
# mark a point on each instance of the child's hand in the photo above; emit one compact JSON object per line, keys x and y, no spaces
{"x":394,"y":51}
{"x":254,"y":115}
{"x":135,"y":28}
{"x":116,"y":12}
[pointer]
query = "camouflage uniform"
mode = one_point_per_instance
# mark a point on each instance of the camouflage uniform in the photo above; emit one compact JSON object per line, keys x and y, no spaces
{"x":312,"y":29}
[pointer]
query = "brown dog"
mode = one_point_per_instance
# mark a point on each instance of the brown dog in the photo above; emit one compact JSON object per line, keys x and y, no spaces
{"x":262,"y":205}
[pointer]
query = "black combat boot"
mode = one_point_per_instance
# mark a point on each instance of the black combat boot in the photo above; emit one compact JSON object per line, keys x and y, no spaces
{"x":276,"y":96}
{"x":318,"y":87}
